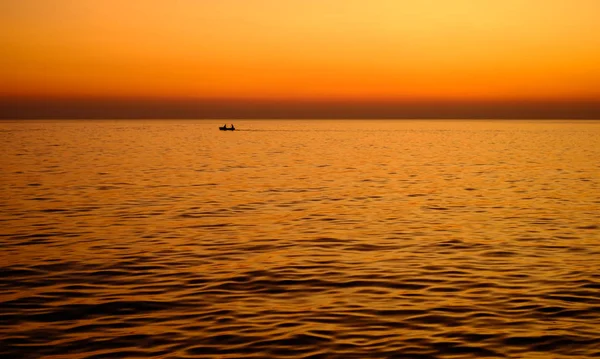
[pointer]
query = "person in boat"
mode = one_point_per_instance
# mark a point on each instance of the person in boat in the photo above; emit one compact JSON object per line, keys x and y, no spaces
{"x":233,"y":128}
{"x":225,"y":126}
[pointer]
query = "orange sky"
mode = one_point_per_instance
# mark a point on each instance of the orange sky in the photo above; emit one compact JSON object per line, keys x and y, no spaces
{"x":309,"y":49}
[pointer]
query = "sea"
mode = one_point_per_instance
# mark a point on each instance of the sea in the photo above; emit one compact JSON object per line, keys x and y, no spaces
{"x":305,"y":239}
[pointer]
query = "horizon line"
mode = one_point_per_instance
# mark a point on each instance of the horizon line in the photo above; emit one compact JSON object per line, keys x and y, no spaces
{"x":36,"y":107}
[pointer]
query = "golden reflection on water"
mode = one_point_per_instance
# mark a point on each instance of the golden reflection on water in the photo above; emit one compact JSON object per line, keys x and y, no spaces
{"x":425,"y":239}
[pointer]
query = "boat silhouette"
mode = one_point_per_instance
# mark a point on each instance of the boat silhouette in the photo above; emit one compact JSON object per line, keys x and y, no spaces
{"x":225,"y":128}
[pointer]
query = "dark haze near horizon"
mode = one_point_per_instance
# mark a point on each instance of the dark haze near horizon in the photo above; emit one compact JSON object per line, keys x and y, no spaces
{"x":104,"y":108}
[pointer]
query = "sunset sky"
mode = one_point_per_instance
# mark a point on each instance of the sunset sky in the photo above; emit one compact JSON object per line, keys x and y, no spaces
{"x":228,"y":53}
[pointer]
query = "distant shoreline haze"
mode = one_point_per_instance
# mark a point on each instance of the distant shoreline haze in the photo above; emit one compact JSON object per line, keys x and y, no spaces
{"x":113,"y":108}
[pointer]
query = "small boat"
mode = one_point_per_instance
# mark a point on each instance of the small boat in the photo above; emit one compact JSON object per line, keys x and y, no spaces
{"x":225,"y":128}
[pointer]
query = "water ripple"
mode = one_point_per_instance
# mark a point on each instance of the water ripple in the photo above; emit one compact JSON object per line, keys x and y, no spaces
{"x":379,"y":240}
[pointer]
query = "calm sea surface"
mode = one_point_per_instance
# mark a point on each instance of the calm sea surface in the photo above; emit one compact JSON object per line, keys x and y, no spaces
{"x":300,"y":239}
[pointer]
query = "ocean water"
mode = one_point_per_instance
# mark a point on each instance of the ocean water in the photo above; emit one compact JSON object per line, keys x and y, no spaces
{"x":300,"y":239}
